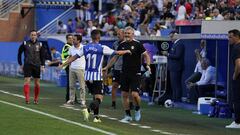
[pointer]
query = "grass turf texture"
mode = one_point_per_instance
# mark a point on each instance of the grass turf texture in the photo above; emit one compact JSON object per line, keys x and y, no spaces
{"x":18,"y":121}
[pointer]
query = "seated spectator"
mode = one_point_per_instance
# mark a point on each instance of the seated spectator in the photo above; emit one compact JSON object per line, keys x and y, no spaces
{"x":238,"y":14}
{"x":130,"y":22}
{"x":61,"y":28}
{"x":181,"y":13}
{"x":208,"y":15}
{"x":200,"y":54}
{"x":70,"y":26}
{"x":206,"y":85}
{"x":217,"y":15}
{"x":80,"y":25}
{"x":56,"y":58}
{"x":90,"y":27}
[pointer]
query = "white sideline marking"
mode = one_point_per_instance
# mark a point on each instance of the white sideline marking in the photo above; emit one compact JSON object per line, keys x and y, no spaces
{"x":156,"y":130}
{"x":76,"y":109}
{"x":16,"y":95}
{"x":112,"y":118}
{"x":59,"y":118}
{"x":105,"y":116}
{"x":144,"y":126}
{"x":134,"y":124}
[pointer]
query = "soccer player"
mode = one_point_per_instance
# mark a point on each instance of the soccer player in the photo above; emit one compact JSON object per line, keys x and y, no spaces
{"x":33,"y":64}
{"x":94,"y":53}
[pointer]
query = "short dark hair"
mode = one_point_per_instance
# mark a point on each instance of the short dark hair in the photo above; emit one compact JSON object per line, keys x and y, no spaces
{"x":79,"y":37}
{"x":95,"y":33}
{"x":33,"y":31}
{"x":206,"y":61}
{"x":60,"y":22}
{"x":68,"y":35}
{"x":173,"y":32}
{"x":52,"y":48}
{"x":235,"y":32}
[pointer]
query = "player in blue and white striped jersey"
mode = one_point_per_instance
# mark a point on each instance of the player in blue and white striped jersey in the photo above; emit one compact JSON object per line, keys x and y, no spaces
{"x":94,"y":53}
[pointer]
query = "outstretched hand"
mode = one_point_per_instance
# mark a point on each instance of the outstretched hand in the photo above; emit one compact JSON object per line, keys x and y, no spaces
{"x":128,"y":51}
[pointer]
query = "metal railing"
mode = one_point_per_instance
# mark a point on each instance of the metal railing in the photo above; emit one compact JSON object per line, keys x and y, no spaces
{"x":51,"y":27}
{"x":7,"y":5}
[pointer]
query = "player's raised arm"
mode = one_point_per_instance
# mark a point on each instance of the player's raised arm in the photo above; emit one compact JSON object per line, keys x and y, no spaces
{"x":122,"y":52}
{"x":70,"y":60}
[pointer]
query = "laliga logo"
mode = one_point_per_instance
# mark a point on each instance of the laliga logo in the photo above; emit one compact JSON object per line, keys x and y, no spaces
{"x":164,"y":46}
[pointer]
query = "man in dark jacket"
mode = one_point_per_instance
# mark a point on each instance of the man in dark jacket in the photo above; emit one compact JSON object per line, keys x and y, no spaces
{"x":175,"y":66}
{"x":33,"y":64}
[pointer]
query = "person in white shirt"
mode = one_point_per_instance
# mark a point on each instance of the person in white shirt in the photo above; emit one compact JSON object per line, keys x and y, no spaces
{"x":76,"y":72}
{"x":90,"y":27}
{"x":217,"y":16}
{"x":206,"y":85}
{"x":200,"y":54}
{"x":181,"y":13}
{"x":61,"y":28}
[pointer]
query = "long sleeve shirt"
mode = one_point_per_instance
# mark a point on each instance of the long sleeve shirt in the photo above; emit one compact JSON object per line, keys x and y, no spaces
{"x":208,"y":76}
{"x":33,"y":53}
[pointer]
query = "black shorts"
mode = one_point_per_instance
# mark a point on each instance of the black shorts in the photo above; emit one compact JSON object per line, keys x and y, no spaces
{"x":116,"y":76}
{"x":130,"y":81}
{"x":31,"y":70}
{"x":95,"y":87}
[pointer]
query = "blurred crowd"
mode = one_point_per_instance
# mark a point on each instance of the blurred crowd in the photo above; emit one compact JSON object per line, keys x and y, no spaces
{"x":147,"y":17}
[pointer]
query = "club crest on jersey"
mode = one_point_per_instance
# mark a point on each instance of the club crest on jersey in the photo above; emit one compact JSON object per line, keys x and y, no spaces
{"x":132,"y":47}
{"x":37,"y":48}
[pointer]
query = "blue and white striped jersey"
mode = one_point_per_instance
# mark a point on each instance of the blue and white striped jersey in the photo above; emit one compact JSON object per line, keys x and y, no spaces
{"x":94,"y":53}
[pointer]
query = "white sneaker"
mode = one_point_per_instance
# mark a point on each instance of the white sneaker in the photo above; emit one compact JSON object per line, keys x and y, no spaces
{"x":69,"y":103}
{"x":137,"y":115}
{"x":126,"y":119}
{"x":85,"y":114}
{"x":233,"y":125}
{"x":95,"y":120}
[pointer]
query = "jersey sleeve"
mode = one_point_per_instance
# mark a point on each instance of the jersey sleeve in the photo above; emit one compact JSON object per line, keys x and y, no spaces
{"x":107,"y":50}
{"x":20,"y":51}
{"x":141,"y":48}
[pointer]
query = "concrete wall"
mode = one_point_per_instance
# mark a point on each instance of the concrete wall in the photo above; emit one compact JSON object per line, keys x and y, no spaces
{"x":15,"y":28}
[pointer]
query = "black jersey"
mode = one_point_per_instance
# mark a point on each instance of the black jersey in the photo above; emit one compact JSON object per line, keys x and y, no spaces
{"x":132,"y":62}
{"x":235,"y":53}
{"x":33,"y":53}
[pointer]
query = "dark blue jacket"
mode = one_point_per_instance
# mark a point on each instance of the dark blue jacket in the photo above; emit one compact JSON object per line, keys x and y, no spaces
{"x":176,"y":57}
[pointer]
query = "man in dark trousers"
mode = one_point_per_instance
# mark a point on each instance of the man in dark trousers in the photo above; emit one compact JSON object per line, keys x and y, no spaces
{"x":175,"y":66}
{"x":65,"y":56}
{"x":117,"y":67}
{"x":33,"y":64}
{"x":234,"y":41}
